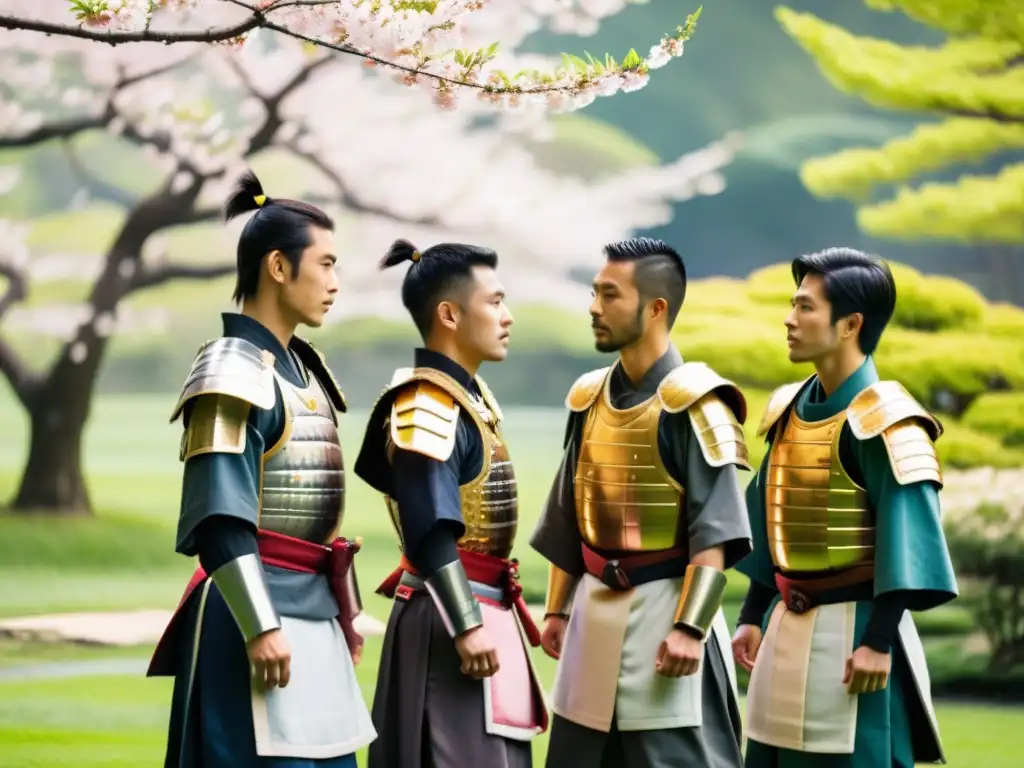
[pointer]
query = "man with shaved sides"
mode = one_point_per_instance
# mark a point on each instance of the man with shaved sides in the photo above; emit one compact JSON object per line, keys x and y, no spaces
{"x":455,"y":686}
{"x":644,"y":516}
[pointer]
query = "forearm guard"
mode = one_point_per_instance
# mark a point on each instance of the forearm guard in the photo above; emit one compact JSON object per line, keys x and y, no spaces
{"x":243,"y":584}
{"x":454,"y":598}
{"x":560,"y":590}
{"x":703,"y":589}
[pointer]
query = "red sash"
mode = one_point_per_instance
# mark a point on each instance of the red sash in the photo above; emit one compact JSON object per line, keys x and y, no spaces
{"x":289,"y":554}
{"x":484,"y":569}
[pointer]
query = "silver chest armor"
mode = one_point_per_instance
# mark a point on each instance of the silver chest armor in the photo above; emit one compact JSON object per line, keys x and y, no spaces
{"x":302,"y":489}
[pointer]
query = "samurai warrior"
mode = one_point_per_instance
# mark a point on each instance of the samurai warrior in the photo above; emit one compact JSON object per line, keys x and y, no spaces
{"x":847,"y":541}
{"x":262,"y":645}
{"x":455,"y":686}
{"x":644,"y":516}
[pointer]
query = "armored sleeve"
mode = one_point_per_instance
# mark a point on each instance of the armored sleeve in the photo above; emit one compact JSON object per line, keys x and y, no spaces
{"x":434,"y":451}
{"x":223,"y":441}
{"x":557,"y":536}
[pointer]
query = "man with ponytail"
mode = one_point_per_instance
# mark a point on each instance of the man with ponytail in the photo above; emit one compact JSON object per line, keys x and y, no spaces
{"x":262,"y":644}
{"x":455,"y":687}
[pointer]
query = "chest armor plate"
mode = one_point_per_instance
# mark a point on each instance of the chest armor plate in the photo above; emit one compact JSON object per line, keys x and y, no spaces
{"x":818,"y":518}
{"x":625,"y":498}
{"x":490,"y":503}
{"x":303,"y":485}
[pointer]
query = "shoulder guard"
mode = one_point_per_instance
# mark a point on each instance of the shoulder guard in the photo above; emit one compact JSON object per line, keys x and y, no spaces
{"x":585,"y":390}
{"x":489,"y":399}
{"x":719,"y":432}
{"x":316,"y":363}
{"x":231,"y":367}
{"x":424,"y":419}
{"x":689,"y":382}
{"x":779,"y":401}
{"x":216,"y":425}
{"x":907,"y":428}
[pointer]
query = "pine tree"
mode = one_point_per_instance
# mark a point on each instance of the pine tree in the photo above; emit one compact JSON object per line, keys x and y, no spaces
{"x":974,"y":84}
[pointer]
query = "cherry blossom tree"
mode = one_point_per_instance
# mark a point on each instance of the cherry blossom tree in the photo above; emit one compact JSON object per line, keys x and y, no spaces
{"x":377,"y":151}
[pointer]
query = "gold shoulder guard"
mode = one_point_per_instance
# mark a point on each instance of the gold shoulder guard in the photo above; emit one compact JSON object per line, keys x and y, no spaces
{"x":585,"y":390}
{"x":779,"y":401}
{"x":908,"y":429}
{"x":717,"y":410}
{"x":316,"y":363}
{"x":231,"y":367}
{"x":424,"y":419}
{"x":215,"y":425}
{"x":489,"y":399}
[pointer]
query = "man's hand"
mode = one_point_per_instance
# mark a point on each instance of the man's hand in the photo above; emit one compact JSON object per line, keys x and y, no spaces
{"x":867,"y":670}
{"x":357,"y":655}
{"x":679,"y":655}
{"x":745,"y":644}
{"x":553,"y":635}
{"x":476,"y":649}
{"x":271,"y":659}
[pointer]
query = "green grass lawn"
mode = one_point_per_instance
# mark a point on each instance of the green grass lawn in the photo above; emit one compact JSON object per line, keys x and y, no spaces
{"x":124,"y":559}
{"x":121,"y":721}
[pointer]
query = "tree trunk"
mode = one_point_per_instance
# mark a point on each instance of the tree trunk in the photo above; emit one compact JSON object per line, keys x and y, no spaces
{"x":53,"y":482}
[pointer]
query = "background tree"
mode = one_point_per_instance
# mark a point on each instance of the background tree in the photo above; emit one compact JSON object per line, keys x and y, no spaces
{"x":382,"y":156}
{"x":972,"y":82}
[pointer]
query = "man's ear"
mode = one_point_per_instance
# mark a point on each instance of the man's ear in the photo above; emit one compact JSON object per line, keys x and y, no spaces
{"x":278,"y":267}
{"x":448,"y":315}
{"x":659,"y":308}
{"x":851,"y":325}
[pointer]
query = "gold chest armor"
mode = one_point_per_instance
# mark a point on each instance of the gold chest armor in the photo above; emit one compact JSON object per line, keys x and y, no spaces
{"x":490,"y":503}
{"x":817,"y":517}
{"x":424,"y":418}
{"x":625,"y":498}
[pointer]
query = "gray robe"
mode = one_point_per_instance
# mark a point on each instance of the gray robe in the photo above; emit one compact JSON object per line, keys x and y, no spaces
{"x":716,"y":516}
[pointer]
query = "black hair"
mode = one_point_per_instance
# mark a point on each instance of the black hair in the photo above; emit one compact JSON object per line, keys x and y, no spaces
{"x":854,"y":282}
{"x":659,"y":273}
{"x":436,"y":274}
{"x":279,"y":224}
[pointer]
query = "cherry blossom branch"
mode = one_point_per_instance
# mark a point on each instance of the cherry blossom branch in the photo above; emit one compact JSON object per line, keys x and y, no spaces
{"x":150,"y":278}
{"x":573,"y":85}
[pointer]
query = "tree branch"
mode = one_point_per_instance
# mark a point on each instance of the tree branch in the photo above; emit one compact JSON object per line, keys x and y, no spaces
{"x":64,"y":129}
{"x":111,"y":37}
{"x":96,"y":186}
{"x":17,"y":287}
{"x":160,"y":275}
{"x":11,"y":365}
{"x":349,"y":200}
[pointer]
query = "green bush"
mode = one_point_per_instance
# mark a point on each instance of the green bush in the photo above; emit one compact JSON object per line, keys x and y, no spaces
{"x":1004,"y":320}
{"x":1000,"y":414}
{"x":962,"y":448}
{"x":934,"y":302}
{"x":957,"y":364}
{"x":987,"y":547}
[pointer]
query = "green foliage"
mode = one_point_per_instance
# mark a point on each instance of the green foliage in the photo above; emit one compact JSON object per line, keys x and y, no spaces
{"x":1004,"y":320}
{"x":987,"y":547}
{"x":854,"y":173}
{"x":961,"y":447}
{"x":997,"y":19}
{"x":973,"y":80}
{"x":1000,"y":414}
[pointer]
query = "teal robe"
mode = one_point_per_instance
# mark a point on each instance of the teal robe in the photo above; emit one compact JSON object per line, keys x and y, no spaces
{"x":910,"y":555}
